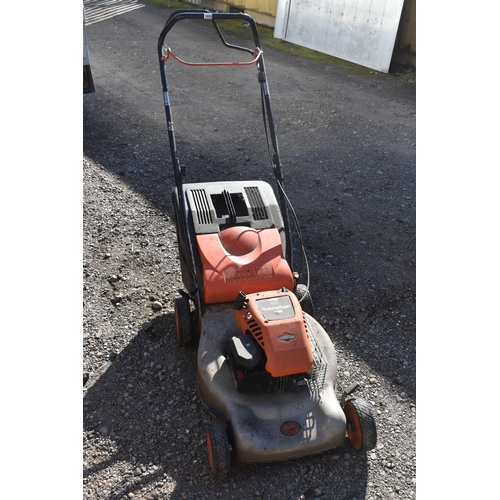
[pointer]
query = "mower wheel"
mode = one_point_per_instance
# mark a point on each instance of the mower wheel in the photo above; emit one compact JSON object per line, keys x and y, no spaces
{"x":183,"y":321}
{"x":305,"y":299}
{"x":361,"y":429}
{"x":196,"y":322}
{"x":219,"y":450}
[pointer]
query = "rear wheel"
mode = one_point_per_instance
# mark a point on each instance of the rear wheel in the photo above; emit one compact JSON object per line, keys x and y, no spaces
{"x":361,"y":428}
{"x":196,"y":322}
{"x":305,"y":299}
{"x":219,"y":450}
{"x":183,"y":321}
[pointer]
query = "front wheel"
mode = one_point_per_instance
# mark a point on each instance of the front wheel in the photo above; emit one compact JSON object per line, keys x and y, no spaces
{"x":361,"y":429}
{"x":219,"y":450}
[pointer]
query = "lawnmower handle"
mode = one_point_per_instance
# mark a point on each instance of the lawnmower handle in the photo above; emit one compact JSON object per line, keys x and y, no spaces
{"x":181,"y":14}
{"x":179,"y":171}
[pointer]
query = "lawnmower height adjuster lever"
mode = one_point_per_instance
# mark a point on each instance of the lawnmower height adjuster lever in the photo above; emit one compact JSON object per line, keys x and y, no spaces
{"x":240,"y":301}
{"x":192,"y":291}
{"x":352,"y":388}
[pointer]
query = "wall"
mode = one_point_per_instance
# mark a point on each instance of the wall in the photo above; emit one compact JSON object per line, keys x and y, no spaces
{"x":264,"y":12}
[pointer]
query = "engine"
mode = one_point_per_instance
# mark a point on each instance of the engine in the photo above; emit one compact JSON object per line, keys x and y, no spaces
{"x":273,"y":349}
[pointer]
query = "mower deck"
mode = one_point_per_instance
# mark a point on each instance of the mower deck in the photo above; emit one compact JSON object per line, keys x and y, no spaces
{"x":258,"y":420}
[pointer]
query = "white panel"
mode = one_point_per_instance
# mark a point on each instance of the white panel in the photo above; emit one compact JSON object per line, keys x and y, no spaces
{"x":359,"y":31}
{"x":281,"y":19}
{"x":361,"y":46}
{"x":335,"y":21}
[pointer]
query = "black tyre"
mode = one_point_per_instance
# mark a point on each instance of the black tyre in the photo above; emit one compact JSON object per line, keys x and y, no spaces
{"x":361,"y":429}
{"x":196,"y":322}
{"x":183,"y":321}
{"x":219,"y":450}
{"x":305,"y":299}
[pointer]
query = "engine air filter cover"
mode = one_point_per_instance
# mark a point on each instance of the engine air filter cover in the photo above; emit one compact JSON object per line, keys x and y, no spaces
{"x":277,"y":322}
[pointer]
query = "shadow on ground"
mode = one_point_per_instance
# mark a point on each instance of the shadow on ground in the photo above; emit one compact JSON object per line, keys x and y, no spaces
{"x":134,"y":396}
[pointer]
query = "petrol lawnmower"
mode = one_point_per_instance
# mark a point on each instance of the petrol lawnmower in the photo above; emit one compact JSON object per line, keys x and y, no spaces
{"x":266,"y":369}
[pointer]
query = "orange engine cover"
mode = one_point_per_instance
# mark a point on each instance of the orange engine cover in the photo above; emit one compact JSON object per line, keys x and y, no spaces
{"x":278,"y":324}
{"x":242,"y":259}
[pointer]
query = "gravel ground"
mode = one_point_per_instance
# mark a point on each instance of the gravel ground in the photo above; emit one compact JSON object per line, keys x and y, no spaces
{"x":143,"y":424}
{"x":143,"y":421}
